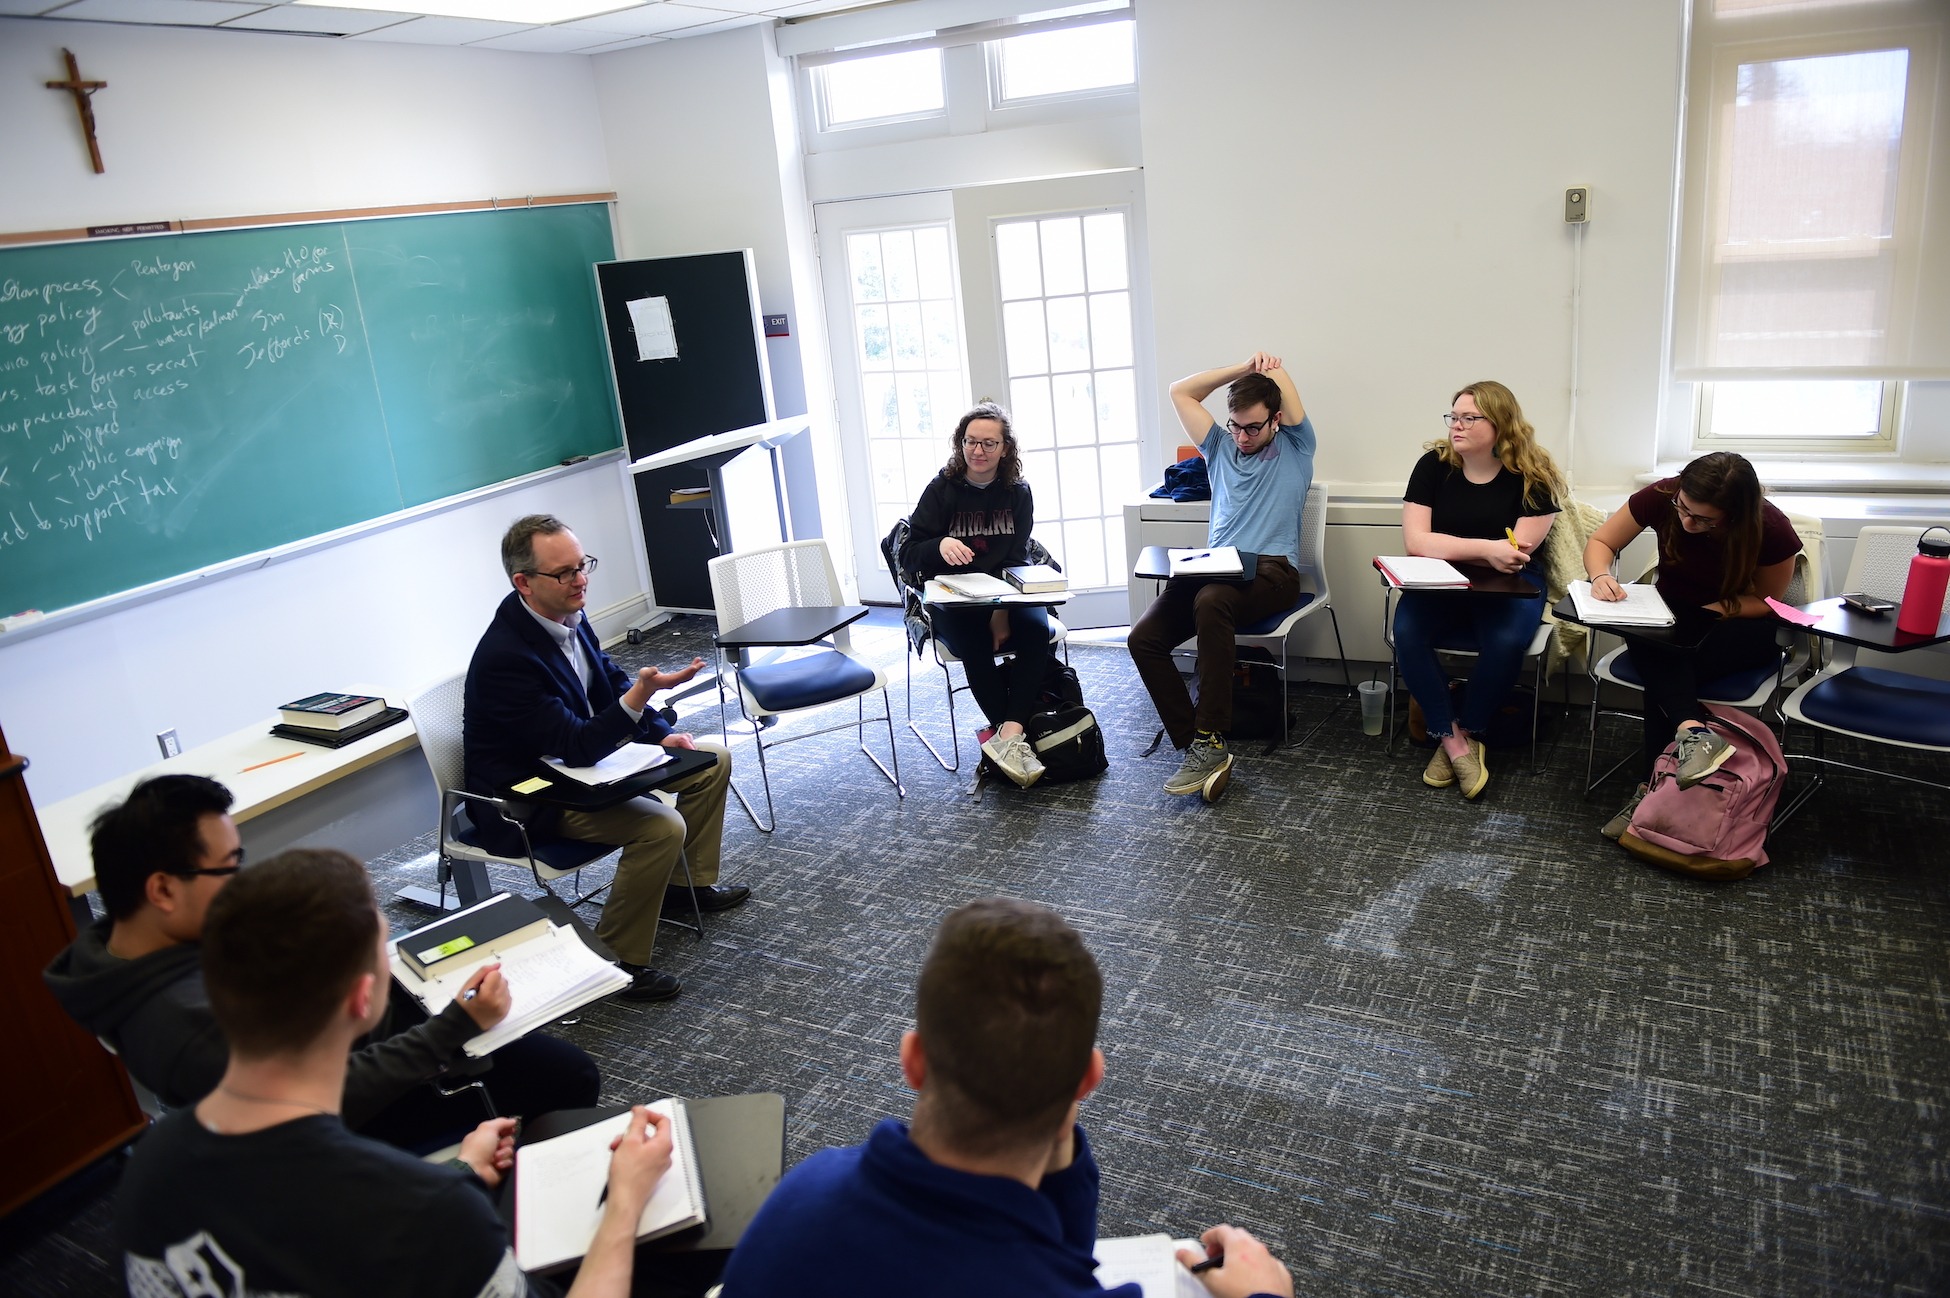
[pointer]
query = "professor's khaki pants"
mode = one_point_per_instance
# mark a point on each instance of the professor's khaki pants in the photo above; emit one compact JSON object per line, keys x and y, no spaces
{"x":651,"y":835}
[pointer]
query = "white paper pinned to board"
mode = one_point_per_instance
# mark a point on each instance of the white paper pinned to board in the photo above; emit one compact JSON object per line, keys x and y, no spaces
{"x":656,"y":337}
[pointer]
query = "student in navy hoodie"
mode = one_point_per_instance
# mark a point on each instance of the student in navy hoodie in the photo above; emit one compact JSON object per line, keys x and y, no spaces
{"x":992,"y":1188}
{"x":975,"y":516}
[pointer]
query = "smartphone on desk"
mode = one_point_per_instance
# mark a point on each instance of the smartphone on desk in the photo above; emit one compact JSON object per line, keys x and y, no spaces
{"x":1867,"y":604}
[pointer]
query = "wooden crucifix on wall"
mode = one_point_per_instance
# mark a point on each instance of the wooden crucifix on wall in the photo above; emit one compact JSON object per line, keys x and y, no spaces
{"x":82,"y":90}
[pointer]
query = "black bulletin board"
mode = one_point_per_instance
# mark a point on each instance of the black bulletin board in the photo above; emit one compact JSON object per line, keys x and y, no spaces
{"x":716,"y":383}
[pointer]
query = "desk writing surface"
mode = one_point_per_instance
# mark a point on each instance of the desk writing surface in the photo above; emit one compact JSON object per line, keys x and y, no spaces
{"x":1483,"y":580}
{"x":787,"y":627}
{"x":573,"y":795}
{"x":721,"y":444}
{"x":1840,"y":622}
{"x":65,"y":823}
{"x":1689,"y":625}
{"x":1154,"y":562}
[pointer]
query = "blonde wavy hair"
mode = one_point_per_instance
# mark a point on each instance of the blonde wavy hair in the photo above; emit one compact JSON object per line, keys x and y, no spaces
{"x":1516,"y":442}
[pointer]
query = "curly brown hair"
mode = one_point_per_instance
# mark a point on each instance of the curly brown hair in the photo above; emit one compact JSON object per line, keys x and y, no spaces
{"x":1516,"y":442}
{"x":1009,"y":468}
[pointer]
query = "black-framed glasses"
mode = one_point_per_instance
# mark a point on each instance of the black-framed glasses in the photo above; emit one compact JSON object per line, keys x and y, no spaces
{"x":567,"y":576}
{"x":236,"y":859}
{"x":1455,"y":420}
{"x":1689,"y":516}
{"x":987,"y":445}
{"x":1248,"y":430}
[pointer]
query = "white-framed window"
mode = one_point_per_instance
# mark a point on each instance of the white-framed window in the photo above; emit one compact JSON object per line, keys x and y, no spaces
{"x":907,"y":344}
{"x":1813,"y":286}
{"x":1063,"y":61}
{"x":1799,"y":416}
{"x":879,"y":89}
{"x":891,"y":83}
{"x":1064,"y":282}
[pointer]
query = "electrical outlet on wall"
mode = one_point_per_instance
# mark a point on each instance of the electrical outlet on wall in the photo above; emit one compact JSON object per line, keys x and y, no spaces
{"x":167,"y":741}
{"x":1577,"y":205}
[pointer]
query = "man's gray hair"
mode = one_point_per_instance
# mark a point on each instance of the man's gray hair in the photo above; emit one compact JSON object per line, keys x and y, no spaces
{"x":518,"y":546}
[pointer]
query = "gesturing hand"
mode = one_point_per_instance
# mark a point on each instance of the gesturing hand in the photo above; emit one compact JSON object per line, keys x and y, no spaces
{"x":954,"y":553}
{"x":659,"y":679}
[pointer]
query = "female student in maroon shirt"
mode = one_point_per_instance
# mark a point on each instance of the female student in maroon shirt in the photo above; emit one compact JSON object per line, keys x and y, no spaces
{"x":1722,"y":548}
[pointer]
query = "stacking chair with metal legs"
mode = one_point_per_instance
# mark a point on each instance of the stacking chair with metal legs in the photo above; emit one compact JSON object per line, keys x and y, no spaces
{"x":437,"y":714}
{"x":749,"y":584}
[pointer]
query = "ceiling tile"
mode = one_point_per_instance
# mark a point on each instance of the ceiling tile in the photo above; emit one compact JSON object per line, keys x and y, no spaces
{"x":29,"y":8}
{"x":440,"y":31}
{"x":722,"y":25}
{"x":184,"y":13}
{"x":648,"y":20}
{"x":537,"y":40}
{"x":609,"y":42}
{"x":806,"y":8}
{"x":317,"y":18}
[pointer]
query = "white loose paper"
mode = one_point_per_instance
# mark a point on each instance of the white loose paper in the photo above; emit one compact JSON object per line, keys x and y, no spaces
{"x":656,"y":337}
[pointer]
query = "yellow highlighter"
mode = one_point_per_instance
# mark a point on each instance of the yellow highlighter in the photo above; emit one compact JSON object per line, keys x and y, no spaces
{"x":1512,"y":538}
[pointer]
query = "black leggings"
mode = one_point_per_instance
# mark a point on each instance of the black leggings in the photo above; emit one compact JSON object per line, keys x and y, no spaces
{"x":1673,"y":676}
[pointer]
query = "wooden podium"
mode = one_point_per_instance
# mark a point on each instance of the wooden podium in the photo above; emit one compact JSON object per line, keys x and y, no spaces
{"x":64,"y":1100}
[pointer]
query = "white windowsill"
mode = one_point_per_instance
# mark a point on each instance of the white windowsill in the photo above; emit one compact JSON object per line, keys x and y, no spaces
{"x":1833,"y":476}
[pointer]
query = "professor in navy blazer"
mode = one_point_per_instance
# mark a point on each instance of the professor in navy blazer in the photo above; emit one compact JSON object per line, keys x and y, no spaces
{"x":541,"y":685}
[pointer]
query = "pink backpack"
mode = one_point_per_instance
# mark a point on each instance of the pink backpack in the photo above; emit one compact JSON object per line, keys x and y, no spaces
{"x":1718,"y":828}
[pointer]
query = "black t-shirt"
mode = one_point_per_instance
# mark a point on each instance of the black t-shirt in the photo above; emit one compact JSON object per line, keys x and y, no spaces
{"x":1480,"y":511}
{"x":305,"y":1207}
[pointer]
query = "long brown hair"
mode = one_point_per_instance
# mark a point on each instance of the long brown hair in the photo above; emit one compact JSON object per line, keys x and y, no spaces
{"x":1516,"y":442}
{"x":1727,"y":482}
{"x":1009,"y":467}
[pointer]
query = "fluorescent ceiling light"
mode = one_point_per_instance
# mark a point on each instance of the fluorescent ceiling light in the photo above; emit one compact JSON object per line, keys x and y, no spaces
{"x":506,"y":11}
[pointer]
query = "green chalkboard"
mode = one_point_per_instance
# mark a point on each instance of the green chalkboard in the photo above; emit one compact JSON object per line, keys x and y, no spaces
{"x":170,"y":403}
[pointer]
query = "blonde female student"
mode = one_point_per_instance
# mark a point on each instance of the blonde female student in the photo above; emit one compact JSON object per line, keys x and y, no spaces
{"x":1722,"y":548}
{"x":1486,"y":494}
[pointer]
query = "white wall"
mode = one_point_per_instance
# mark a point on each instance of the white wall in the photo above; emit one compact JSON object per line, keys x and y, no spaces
{"x":198,"y":124}
{"x":1374,"y":191}
{"x":694,"y":157}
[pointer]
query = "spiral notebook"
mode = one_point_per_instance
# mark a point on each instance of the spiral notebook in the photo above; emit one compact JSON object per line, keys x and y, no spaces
{"x":559,"y":1187}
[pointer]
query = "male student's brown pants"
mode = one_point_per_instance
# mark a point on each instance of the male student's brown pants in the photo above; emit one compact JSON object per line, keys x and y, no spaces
{"x":1213,"y":610}
{"x":651,"y":834}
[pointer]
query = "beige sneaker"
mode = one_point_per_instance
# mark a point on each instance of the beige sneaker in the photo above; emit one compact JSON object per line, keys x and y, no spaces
{"x":1472,"y":772}
{"x":1439,"y":773}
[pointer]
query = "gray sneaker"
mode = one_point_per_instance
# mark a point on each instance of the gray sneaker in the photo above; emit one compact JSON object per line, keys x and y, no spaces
{"x":1615,"y":827}
{"x":1206,"y":768}
{"x":1014,"y":758}
{"x":1700,"y":753}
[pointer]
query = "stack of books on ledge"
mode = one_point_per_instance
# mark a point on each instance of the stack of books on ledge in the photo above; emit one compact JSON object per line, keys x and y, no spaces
{"x":334,"y":720}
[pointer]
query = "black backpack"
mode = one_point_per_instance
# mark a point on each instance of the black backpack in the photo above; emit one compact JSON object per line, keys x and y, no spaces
{"x":1068,"y":743}
{"x":1064,"y":733}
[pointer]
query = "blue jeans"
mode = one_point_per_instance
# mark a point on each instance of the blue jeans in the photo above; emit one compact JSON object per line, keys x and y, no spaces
{"x":1497,"y":627}
{"x":966,"y":633}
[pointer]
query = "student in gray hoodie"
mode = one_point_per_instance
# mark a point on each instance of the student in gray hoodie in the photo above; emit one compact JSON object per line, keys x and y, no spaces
{"x":135,"y":980}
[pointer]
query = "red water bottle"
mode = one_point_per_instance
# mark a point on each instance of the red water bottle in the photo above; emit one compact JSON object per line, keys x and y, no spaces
{"x":1929,"y":576}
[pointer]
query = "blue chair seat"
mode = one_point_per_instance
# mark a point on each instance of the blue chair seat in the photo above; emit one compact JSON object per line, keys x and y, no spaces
{"x":1730,"y":688}
{"x":806,"y":682}
{"x":1271,"y":622}
{"x":1890,"y":705}
{"x":563,"y":854}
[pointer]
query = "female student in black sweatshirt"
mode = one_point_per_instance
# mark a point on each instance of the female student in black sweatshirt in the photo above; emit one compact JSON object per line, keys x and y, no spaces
{"x":975,"y":516}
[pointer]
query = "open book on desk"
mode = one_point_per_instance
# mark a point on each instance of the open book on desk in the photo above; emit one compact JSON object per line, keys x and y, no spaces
{"x":560,"y":1184}
{"x":1642,"y":606}
{"x":548,"y":976}
{"x":1151,"y":1261}
{"x":1215,"y":561}
{"x":619,"y":765}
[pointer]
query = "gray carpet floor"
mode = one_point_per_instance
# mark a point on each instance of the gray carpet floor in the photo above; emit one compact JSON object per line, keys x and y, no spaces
{"x":1421,"y":1046}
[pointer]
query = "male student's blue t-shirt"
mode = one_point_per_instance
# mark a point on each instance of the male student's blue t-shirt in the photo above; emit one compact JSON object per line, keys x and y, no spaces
{"x":1256,"y":499}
